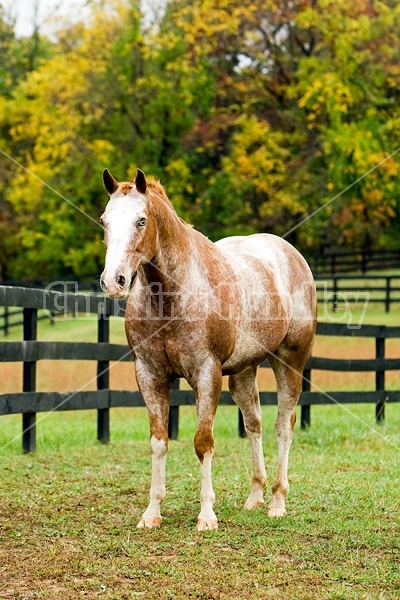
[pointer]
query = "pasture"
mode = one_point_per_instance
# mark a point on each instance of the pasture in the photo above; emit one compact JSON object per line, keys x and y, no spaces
{"x":68,"y":513}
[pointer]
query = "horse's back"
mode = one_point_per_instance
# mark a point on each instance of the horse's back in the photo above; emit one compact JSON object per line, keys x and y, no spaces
{"x":278,"y":258}
{"x":277,"y":293}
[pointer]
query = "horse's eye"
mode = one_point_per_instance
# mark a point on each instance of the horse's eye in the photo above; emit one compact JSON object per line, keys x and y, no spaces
{"x":141,"y":223}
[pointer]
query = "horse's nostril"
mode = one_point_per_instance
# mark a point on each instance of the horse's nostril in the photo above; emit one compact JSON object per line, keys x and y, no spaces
{"x":103,"y":285}
{"x":120,"y":280}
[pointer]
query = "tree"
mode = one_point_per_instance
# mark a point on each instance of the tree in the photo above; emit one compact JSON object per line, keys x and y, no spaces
{"x":253,"y":115}
{"x":307,"y":76}
{"x":18,"y":57}
{"x":348,"y":95}
{"x":66,"y":121}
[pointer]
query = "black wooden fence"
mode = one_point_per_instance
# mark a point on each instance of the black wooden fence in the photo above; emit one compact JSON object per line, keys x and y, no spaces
{"x":29,"y":351}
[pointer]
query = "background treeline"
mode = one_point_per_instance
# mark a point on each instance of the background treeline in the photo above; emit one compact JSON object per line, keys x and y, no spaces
{"x":251,"y":113}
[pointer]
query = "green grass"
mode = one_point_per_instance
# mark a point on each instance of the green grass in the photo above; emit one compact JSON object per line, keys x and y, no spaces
{"x":69,"y":513}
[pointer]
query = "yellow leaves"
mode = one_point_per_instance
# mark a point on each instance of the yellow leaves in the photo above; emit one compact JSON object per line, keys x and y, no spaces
{"x":374,"y":196}
{"x":25,"y":191}
{"x":211,"y":26}
{"x":258,"y":157}
{"x":103,"y":150}
{"x":59,"y":80}
{"x":326,"y":93}
{"x":307,"y":18}
{"x":391,"y":167}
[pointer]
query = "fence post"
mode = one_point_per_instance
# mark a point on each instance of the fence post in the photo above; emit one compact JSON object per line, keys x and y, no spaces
{"x":335,"y":291}
{"x":306,"y":408}
{"x":364,"y":262}
{"x":103,"y":376}
{"x":380,"y":380}
{"x":29,"y":382}
{"x":5,"y":315}
{"x":333,"y":264}
{"x":173,"y":421}
{"x":387,"y":296}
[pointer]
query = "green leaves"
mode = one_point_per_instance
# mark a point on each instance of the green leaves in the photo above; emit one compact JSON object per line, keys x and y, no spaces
{"x":253,"y":115}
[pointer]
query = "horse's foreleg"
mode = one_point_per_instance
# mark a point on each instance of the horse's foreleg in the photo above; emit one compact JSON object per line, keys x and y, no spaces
{"x":243,"y":388}
{"x":207,"y":388}
{"x":151,"y":518}
{"x":157,"y":401}
{"x":207,"y":518}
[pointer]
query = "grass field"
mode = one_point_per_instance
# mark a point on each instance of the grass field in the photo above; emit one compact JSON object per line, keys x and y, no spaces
{"x":68,"y":513}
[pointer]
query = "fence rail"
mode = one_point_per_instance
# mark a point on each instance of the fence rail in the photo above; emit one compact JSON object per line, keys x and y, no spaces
{"x":349,"y":262}
{"x":381,"y":289}
{"x":30,"y":351}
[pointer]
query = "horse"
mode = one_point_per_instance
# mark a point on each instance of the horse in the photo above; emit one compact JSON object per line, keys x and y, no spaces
{"x":201,"y":310}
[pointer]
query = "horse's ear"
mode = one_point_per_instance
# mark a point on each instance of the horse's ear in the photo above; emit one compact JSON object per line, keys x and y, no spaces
{"x":140,"y":182}
{"x":110,"y":183}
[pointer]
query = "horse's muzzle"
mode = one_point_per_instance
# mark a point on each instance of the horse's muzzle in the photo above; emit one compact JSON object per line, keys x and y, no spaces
{"x":118,"y":286}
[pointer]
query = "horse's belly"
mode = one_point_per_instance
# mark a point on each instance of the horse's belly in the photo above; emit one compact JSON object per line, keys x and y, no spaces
{"x":254,"y":345}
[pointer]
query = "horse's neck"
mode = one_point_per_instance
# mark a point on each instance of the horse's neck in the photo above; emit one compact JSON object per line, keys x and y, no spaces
{"x":174,"y":248}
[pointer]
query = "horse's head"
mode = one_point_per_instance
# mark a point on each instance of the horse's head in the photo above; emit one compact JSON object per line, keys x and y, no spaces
{"x":129,"y":233}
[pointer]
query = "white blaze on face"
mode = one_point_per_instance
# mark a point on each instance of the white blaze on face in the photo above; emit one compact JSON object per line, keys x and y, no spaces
{"x":120,"y":222}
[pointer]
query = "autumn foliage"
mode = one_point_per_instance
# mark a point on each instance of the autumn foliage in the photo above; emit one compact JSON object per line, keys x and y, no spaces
{"x":253,"y":114}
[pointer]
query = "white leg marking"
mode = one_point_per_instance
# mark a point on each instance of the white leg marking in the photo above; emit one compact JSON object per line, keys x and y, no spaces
{"x":256,"y":498}
{"x":280,"y":486}
{"x":152,"y":516}
{"x":207,"y":517}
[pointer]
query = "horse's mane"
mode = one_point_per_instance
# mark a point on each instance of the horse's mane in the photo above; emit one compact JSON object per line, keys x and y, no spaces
{"x":155,"y":186}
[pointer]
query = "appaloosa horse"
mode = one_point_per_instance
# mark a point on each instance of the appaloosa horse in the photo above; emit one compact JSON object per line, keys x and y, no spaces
{"x":201,"y":310}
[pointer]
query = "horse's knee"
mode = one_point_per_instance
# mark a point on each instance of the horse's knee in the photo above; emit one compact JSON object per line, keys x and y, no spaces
{"x":203,"y":443}
{"x":159,"y":446}
{"x":158,"y":428}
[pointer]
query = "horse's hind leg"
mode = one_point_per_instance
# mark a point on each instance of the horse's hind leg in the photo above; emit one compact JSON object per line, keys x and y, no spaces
{"x":288,"y":372}
{"x":243,"y":388}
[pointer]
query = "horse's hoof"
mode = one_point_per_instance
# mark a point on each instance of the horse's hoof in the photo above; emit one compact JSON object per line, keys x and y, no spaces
{"x":211,"y":525}
{"x":250,"y":505}
{"x":275,"y":511}
{"x":152,"y":523}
